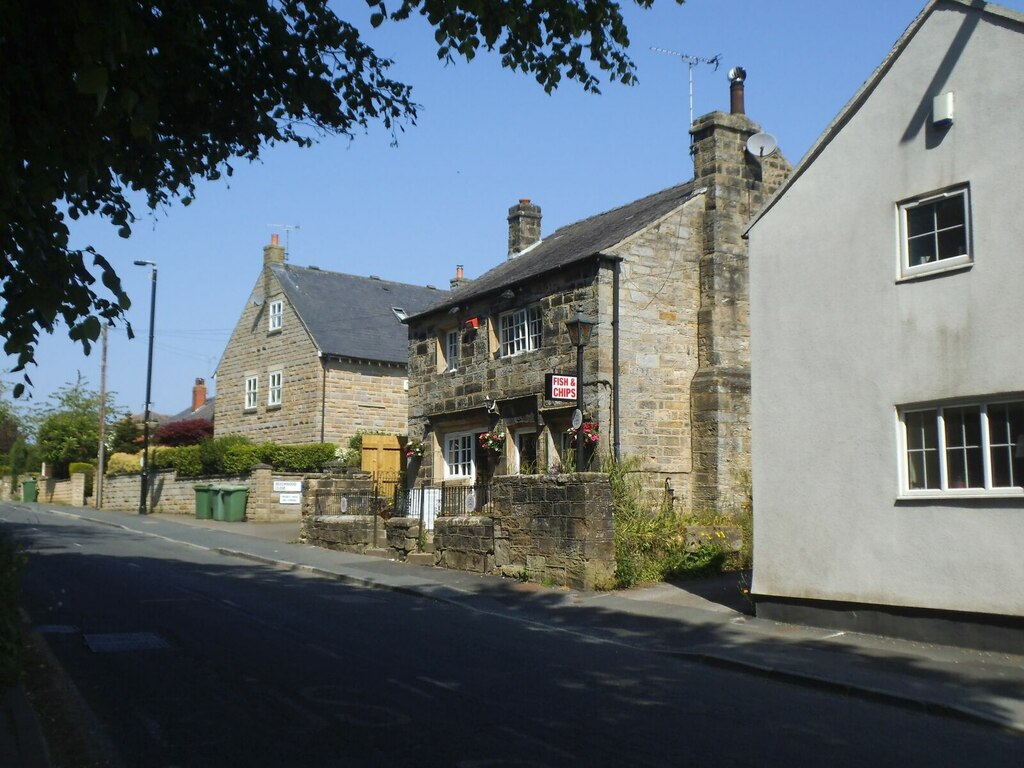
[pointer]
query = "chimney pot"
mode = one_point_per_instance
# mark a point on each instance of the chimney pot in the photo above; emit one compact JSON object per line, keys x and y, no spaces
{"x":737,"y":75}
{"x":275,"y":239}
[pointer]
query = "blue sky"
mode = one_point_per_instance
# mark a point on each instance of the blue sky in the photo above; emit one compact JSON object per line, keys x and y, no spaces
{"x":485,"y":138}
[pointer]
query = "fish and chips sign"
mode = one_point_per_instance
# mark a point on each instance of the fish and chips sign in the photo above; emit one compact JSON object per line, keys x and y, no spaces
{"x":558,"y":386}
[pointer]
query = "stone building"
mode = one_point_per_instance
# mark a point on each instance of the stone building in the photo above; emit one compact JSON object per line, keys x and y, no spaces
{"x":666,"y":371}
{"x":317,"y":356}
{"x":889,"y":412}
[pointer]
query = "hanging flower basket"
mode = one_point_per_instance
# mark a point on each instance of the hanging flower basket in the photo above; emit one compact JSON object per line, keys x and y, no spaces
{"x":493,"y":442}
{"x":415,"y":449}
{"x":589,"y":430}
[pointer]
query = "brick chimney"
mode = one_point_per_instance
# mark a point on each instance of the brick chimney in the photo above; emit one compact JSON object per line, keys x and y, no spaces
{"x":460,"y":278}
{"x":523,"y":226}
{"x":198,"y":394}
{"x":273,"y":253}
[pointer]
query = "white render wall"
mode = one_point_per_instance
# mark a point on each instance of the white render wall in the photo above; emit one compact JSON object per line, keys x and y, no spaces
{"x":838,"y":343}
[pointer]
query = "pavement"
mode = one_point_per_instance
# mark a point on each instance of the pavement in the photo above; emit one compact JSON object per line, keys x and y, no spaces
{"x":706,"y":621}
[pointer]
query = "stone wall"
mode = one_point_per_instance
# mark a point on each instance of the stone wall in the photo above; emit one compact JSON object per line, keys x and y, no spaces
{"x":349,"y":533}
{"x":558,"y":530}
{"x":364,"y":397}
{"x":70,"y":492}
{"x":171,"y":495}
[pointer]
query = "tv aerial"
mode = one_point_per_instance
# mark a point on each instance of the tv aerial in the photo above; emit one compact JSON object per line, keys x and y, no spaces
{"x":761,"y":145}
{"x":691,"y":62}
{"x":287,"y":234}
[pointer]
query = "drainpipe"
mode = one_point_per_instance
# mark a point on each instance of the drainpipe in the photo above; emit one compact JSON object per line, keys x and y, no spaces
{"x":323,"y":398}
{"x":615,"y":357}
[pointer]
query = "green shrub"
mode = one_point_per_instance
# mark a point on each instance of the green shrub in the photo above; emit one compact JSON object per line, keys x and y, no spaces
{"x":187,"y":462}
{"x":123,"y":464}
{"x":12,"y":560}
{"x":303,"y":458}
{"x":239,"y":459}
{"x":212,"y":452}
{"x":85,"y":468}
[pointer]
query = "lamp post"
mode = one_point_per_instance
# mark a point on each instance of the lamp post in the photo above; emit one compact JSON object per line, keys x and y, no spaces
{"x":579,"y":328}
{"x":149,"y":385}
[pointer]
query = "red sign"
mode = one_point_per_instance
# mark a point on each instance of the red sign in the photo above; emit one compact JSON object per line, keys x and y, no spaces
{"x":560,"y":387}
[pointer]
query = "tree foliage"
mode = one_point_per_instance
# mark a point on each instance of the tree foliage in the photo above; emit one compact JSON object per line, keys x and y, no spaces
{"x":125,"y":436}
{"x":68,"y":437}
{"x":115,"y":97}
{"x":185,"y":432}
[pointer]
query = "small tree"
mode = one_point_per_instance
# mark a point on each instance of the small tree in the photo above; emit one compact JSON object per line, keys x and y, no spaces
{"x":68,"y":437}
{"x":124,"y":437}
{"x":186,"y":432}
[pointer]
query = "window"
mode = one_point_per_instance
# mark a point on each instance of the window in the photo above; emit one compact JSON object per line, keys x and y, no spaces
{"x":276,"y":316}
{"x":252,"y":384}
{"x":274,"y":389}
{"x":526,"y":452}
{"x":520,"y":331}
{"x":954,"y":449}
{"x":459,"y":452}
{"x":452,"y":349}
{"x":935,"y":232}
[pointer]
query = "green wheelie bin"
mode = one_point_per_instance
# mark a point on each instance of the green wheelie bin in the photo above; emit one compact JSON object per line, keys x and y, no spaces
{"x":204,"y":502}
{"x":217,"y":502}
{"x":29,"y":489}
{"x":233,"y":498}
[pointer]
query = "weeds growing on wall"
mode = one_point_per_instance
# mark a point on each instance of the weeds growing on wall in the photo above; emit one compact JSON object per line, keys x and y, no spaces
{"x":650,"y":537}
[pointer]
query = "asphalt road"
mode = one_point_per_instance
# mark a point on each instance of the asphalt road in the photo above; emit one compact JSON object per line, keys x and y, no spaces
{"x":189,"y":658}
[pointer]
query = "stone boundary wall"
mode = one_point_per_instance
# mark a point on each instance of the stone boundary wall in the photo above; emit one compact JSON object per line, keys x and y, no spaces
{"x":171,"y":495}
{"x":548,"y":529}
{"x":70,"y":492}
{"x":348,"y":533}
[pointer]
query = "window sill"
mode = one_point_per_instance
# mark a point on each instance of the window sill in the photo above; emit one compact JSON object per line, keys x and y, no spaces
{"x":935,"y":271}
{"x":964,"y":495}
{"x":249,"y":410}
{"x":276,"y":407}
{"x":275,"y":332}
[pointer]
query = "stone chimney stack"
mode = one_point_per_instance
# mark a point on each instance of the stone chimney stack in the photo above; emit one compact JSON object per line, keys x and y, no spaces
{"x":198,"y":394}
{"x":273,"y":253}
{"x":460,"y":279}
{"x":523,"y":226}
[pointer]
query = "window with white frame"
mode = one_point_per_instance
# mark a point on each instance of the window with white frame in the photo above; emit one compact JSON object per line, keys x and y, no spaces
{"x":274,"y":389}
{"x":459,"y":452}
{"x":276,"y":316}
{"x":252,"y":387}
{"x":964,"y":448}
{"x":935,"y":232}
{"x":520,"y":331}
{"x":452,"y":349}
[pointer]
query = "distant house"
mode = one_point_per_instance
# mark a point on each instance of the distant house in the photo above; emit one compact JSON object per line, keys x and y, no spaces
{"x":202,"y":407}
{"x":665,"y":376}
{"x":887,"y":287}
{"x":317,"y":356}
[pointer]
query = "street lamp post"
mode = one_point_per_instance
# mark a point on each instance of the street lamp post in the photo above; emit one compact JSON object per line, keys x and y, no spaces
{"x":149,"y":386}
{"x":579,"y":328}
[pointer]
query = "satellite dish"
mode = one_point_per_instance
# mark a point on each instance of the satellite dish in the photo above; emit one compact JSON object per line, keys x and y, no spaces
{"x":257,"y":301}
{"x":471,"y":501}
{"x":762,"y":145}
{"x":344,"y":505}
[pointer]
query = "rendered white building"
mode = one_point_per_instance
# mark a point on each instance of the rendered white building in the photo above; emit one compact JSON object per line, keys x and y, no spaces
{"x":887,"y":338}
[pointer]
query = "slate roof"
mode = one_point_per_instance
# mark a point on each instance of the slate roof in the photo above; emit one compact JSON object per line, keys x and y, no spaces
{"x":204,"y":411}
{"x":350,"y":316}
{"x":571,"y":244}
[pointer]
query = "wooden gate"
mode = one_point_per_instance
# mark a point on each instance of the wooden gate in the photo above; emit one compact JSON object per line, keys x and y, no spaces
{"x":382,"y":454}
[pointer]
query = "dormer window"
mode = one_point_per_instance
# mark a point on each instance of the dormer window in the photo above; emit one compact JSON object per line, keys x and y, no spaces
{"x":520,"y":331}
{"x":276,"y":316}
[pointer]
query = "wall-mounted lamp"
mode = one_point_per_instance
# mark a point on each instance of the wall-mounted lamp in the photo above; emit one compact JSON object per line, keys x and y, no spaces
{"x":491,"y":405}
